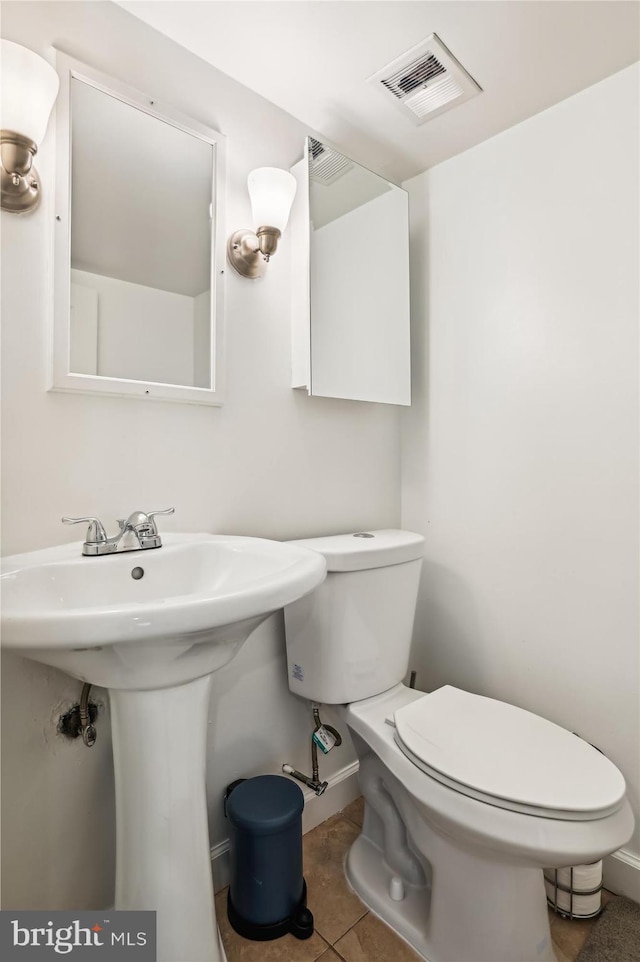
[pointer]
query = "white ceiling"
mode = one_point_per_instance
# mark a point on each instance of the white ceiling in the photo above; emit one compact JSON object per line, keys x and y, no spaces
{"x":313,"y":60}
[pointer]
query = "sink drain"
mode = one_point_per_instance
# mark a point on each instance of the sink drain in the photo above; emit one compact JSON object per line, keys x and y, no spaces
{"x":137,"y":573}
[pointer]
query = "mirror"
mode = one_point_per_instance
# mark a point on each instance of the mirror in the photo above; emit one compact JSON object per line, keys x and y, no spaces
{"x":138,"y":224}
{"x":351,"y":304}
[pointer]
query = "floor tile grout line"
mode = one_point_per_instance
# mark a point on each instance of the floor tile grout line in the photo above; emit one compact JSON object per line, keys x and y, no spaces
{"x":327,"y":945}
{"x":329,"y":948}
{"x":366,"y":912}
{"x":340,"y":956}
{"x":388,"y":926}
{"x":342,"y":934}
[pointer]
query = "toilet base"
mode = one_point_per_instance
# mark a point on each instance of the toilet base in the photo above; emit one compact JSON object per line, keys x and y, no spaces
{"x":481,"y":911}
{"x":370,"y":879}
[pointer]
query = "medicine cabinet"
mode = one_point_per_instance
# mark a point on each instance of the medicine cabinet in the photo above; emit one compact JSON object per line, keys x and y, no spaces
{"x":350,"y":281}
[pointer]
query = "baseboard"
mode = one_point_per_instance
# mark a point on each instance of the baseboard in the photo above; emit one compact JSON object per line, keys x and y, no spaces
{"x":621,"y":874}
{"x":220,"y":867}
{"x":343,"y":788}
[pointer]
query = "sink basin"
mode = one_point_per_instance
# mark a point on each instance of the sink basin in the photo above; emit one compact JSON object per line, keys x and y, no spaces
{"x":149,"y":619}
{"x":152,"y":626}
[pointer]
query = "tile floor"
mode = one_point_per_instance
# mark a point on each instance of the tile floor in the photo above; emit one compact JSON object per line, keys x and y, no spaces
{"x":344,"y":930}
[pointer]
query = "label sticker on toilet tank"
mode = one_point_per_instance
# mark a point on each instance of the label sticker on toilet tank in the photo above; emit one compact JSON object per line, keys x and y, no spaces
{"x":298,"y":672}
{"x":78,"y":935}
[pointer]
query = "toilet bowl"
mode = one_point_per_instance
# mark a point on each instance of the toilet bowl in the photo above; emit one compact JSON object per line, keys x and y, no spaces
{"x":480,"y":896}
{"x":467,"y":798}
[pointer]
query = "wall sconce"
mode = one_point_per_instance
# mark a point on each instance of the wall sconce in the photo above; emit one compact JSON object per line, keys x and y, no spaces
{"x":29,"y":89}
{"x":271,"y":191}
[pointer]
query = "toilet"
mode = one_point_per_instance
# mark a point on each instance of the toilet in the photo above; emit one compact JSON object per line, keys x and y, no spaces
{"x":467,"y":798}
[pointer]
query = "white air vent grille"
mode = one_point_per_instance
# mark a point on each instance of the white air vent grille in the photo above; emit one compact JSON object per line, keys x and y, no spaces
{"x":325,"y":164}
{"x":426,"y":80}
{"x":416,"y":74}
{"x":436,"y":95}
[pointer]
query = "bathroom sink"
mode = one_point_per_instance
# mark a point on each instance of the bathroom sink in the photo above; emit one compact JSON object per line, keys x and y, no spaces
{"x":153,"y":626}
{"x":147,"y":619}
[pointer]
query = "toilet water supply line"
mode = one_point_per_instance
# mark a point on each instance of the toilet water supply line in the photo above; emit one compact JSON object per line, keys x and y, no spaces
{"x":327,"y":738}
{"x":88,"y":732}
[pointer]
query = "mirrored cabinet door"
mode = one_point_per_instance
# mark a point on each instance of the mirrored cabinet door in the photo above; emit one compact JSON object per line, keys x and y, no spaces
{"x":137,"y":307}
{"x":351,"y":281}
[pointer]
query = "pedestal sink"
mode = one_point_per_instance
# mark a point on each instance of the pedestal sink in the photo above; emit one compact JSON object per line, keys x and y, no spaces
{"x":152,"y":626}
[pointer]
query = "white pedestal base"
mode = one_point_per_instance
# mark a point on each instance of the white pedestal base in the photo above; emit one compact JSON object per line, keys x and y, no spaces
{"x":162,"y":836}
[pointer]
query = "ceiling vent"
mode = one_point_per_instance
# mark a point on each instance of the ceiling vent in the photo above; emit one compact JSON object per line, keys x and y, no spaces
{"x":426,"y":81}
{"x":325,"y":164}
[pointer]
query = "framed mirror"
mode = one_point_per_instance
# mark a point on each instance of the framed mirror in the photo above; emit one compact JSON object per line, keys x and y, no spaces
{"x":138,"y":247}
{"x":351,"y":336}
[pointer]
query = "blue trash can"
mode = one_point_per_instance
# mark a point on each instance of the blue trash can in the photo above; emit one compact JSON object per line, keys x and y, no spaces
{"x":267,"y":892}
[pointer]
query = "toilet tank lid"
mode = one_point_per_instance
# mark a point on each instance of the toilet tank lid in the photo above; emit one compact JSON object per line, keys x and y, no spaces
{"x":359,"y":550}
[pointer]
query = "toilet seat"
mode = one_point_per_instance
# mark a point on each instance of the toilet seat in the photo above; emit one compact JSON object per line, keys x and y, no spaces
{"x":507,"y":757}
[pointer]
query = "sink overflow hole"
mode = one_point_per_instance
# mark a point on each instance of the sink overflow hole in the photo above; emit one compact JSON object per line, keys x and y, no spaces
{"x":137,"y":573}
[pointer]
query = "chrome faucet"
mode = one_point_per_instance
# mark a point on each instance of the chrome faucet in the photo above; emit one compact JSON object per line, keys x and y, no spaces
{"x":137,"y":533}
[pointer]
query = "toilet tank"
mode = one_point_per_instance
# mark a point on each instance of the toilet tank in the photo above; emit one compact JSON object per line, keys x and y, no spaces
{"x":350,"y":638}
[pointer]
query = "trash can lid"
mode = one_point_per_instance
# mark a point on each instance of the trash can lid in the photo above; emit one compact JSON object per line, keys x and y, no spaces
{"x":265,"y":804}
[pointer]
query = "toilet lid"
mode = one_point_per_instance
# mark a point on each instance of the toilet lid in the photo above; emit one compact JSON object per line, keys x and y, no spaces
{"x":507,"y":757}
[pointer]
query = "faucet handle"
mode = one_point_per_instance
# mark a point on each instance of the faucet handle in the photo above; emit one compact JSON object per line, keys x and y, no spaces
{"x":152,"y":514}
{"x":95,"y":532}
{"x":142,"y":522}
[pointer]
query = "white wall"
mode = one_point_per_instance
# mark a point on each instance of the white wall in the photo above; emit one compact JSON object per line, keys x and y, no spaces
{"x":520,"y":454}
{"x":143,"y":333}
{"x":271,"y":462}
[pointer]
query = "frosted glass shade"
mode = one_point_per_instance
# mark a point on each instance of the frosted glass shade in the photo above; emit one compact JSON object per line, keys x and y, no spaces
{"x":271,"y":191}
{"x":29,"y":88}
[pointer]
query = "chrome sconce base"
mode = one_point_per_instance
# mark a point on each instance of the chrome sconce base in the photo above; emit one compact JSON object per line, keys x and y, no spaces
{"x":249,"y":252}
{"x":19,"y":182}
